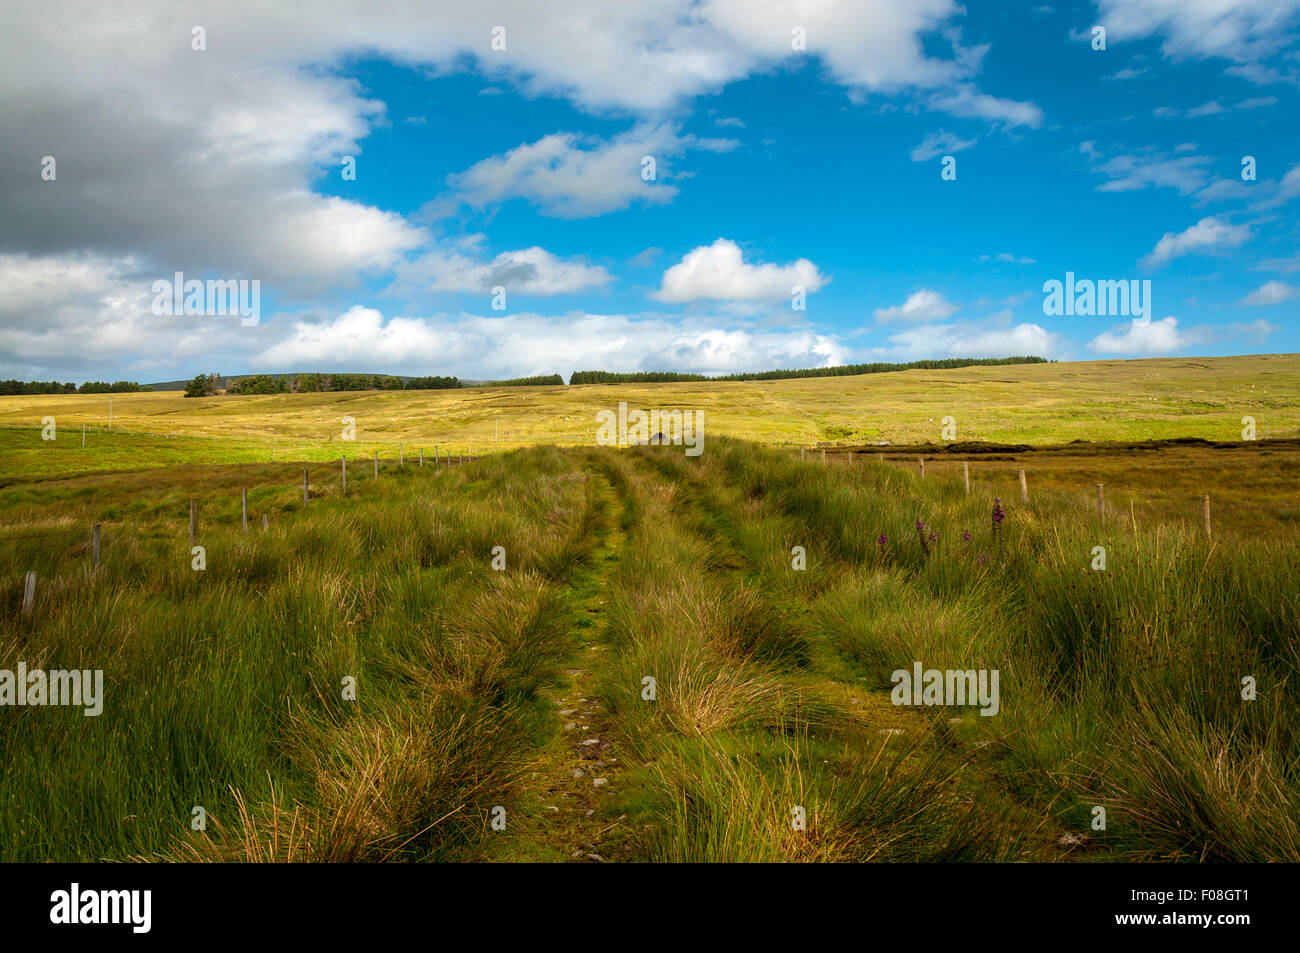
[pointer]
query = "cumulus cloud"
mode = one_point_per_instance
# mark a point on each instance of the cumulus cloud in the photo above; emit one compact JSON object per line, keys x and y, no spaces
{"x":967,"y":102}
{"x":1236,"y":29}
{"x":921,"y":306}
{"x":573,"y":177}
{"x":1143,"y":338}
{"x":939,"y":143}
{"x":1271,"y":292}
{"x":527,"y":343}
{"x":719,"y":271}
{"x":526,"y":271}
{"x":1133,"y":171}
{"x":1209,"y":235}
{"x":993,"y":338}
{"x":1008,"y":258}
{"x":64,"y":316}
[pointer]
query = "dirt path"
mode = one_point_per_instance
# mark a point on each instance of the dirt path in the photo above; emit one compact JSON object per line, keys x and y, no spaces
{"x":568,"y":785}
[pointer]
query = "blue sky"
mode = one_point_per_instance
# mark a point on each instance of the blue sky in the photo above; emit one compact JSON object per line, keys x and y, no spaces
{"x":522,"y":168}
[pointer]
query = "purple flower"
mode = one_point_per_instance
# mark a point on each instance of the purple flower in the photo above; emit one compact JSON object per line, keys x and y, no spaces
{"x":965,"y":537}
{"x":998,"y":513}
{"x":883,"y":539}
{"x":934,"y":537}
{"x":982,"y":560}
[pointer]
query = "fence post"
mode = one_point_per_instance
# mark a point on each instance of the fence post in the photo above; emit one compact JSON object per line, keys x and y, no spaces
{"x":83,"y":435}
{"x":194,"y":521}
{"x":263,"y":522}
{"x":94,"y":546}
{"x":343,"y":461}
{"x":401,"y":460}
{"x":1207,"y":515}
{"x":1024,"y":487}
{"x":376,"y":464}
{"x":802,"y":452}
{"x":304,"y":486}
{"x":421,"y":457}
{"x":1101,"y":505}
{"x":921,"y":461}
{"x":29,"y":594}
{"x":823,"y":457}
{"x":965,"y":473}
{"x":243,"y":508}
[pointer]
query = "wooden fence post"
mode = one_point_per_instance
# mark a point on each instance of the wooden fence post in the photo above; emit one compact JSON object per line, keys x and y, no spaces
{"x":243,"y":509}
{"x":921,"y":461}
{"x":421,"y":457}
{"x":29,"y":594}
{"x":304,"y":486}
{"x":802,"y":452}
{"x":94,"y":546}
{"x":194,"y":521}
{"x":83,"y":435}
{"x":1101,"y":505}
{"x":376,"y":464}
{"x":1207,"y":516}
{"x":343,"y":462}
{"x":1024,"y":487}
{"x":965,"y":473}
{"x":263,"y":522}
{"x":823,"y":457}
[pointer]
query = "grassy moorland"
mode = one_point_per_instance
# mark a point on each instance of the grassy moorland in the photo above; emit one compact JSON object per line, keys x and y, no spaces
{"x":1029,"y":404}
{"x":526,"y":688}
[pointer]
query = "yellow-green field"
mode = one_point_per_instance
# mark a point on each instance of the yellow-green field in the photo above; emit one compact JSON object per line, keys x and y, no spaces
{"x":1031,"y":404}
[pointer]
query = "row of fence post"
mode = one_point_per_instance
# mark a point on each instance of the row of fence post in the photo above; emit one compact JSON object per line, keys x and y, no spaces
{"x":96,"y":538}
{"x":1024,"y":488}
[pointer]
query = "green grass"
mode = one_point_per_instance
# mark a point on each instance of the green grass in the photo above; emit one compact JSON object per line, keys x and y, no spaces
{"x":1120,"y":689}
{"x":1032,"y":404}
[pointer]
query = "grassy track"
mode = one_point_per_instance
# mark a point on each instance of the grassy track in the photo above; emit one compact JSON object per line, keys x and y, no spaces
{"x":770,"y":734}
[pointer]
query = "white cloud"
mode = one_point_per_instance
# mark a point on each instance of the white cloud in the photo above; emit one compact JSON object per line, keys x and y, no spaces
{"x":67,"y":316}
{"x":1256,"y":331}
{"x":1271,"y":292}
{"x":1209,"y":235}
{"x":923,"y":305}
{"x":1285,"y":265}
{"x":719,"y":271}
{"x":526,"y":343}
{"x":567,"y":180}
{"x":1143,"y":337}
{"x":965,"y":101}
{"x":1008,"y":258}
{"x":970,"y":340}
{"x":526,"y":271}
{"x":939,"y":143}
{"x":1133,"y":171}
{"x":1237,"y":29}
